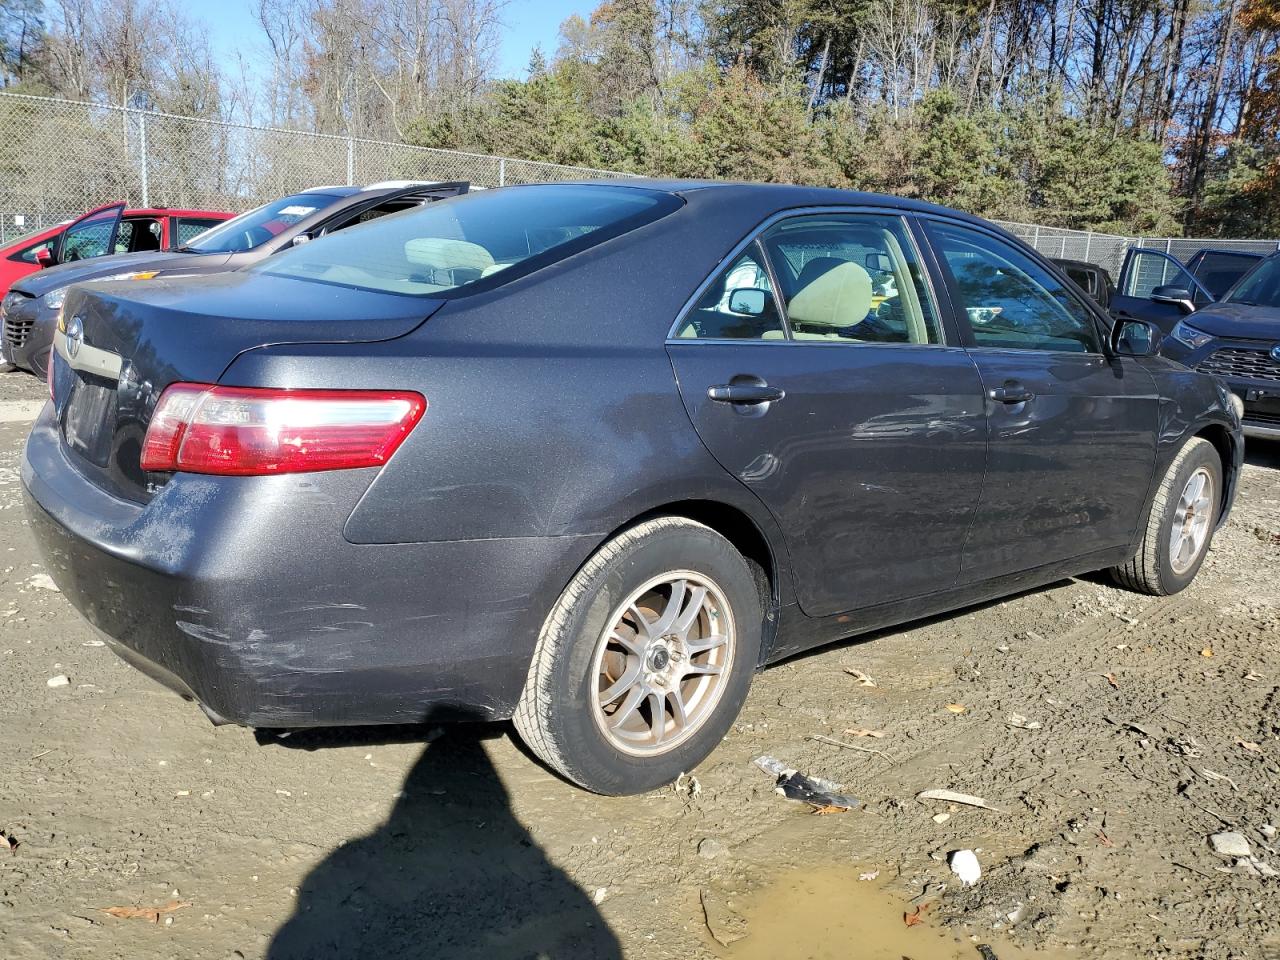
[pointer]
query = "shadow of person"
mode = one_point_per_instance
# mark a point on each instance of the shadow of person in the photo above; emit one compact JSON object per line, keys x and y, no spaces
{"x":451,"y":873}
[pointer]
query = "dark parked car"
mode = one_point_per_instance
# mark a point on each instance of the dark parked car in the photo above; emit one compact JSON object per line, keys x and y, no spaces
{"x":1158,"y":287}
{"x":1238,"y":339}
{"x":1091,"y":278}
{"x":29,"y":312}
{"x":587,"y":455}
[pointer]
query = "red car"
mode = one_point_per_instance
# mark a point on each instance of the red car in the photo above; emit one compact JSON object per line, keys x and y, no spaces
{"x":155,"y":228}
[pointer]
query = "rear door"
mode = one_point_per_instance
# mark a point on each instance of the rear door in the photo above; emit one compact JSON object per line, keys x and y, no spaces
{"x":93,"y":235}
{"x":1145,"y":270}
{"x":820,"y":375}
{"x":1071,"y":429}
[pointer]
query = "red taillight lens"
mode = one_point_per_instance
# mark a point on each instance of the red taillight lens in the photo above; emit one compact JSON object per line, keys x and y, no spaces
{"x":243,"y":431}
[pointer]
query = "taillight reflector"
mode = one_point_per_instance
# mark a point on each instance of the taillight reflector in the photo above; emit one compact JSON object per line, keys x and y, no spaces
{"x":245,"y":431}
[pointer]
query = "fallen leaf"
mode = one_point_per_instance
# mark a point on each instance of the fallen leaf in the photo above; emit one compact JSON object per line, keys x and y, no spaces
{"x":1248,"y":745}
{"x":1122,"y":646}
{"x":862,"y":678}
{"x":862,"y":732}
{"x":1111,"y":679}
{"x":1105,"y":840}
{"x":956,"y":707}
{"x":827,"y":809}
{"x":1021,"y":722}
{"x":146,"y":913}
{"x":916,"y":915}
{"x":1207,"y":652}
{"x":10,"y":842}
{"x":1253,"y":675}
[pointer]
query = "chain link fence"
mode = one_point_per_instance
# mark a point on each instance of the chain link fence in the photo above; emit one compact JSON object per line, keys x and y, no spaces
{"x":1108,"y":250}
{"x":59,"y":158}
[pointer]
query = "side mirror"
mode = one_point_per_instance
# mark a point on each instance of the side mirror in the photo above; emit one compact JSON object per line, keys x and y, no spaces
{"x":44,"y":257}
{"x":1136,"y":338}
{"x":300,"y":240}
{"x":748,"y":300}
{"x":1179,"y":296}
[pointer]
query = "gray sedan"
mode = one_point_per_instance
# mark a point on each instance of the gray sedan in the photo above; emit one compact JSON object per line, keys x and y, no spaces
{"x":586,"y":456}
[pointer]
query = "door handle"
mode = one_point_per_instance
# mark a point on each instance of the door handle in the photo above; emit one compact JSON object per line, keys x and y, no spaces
{"x":750,"y":392}
{"x":1011,"y":391}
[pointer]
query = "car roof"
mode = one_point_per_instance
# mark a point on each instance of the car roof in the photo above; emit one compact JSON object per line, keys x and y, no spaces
{"x":779,"y":195}
{"x":174,"y":212}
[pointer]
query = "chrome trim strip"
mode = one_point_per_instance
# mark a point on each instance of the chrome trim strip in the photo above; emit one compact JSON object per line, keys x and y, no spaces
{"x":89,"y":359}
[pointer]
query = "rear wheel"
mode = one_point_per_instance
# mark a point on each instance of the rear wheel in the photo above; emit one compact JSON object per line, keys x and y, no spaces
{"x":645,"y":659}
{"x":1180,"y":526}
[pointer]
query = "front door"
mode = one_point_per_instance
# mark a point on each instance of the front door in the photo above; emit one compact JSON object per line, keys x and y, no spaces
{"x":1072,"y":429}
{"x":1143,"y":273}
{"x":818,"y":373}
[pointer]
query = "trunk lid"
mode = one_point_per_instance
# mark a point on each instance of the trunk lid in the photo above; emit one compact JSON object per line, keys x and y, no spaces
{"x":119,"y":344}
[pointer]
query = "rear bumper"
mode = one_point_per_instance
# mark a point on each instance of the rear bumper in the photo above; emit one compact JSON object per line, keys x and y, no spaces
{"x":243,"y":594}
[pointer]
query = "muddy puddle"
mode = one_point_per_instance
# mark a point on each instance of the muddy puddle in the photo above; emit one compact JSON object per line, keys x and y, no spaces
{"x":829,"y":914}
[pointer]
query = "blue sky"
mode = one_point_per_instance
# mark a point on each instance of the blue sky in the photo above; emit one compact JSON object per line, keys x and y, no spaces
{"x":233,"y":28}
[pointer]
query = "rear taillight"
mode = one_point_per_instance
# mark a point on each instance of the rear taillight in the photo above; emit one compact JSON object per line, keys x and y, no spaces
{"x":243,"y":431}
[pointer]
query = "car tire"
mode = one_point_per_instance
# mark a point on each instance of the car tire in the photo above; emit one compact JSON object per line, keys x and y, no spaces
{"x":1180,"y":525}
{"x":606,"y":693}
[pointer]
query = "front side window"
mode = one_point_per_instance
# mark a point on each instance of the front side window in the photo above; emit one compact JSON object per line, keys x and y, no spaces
{"x":851,"y":278}
{"x":739,"y":304}
{"x":446,"y":246}
{"x":89,"y":239}
{"x":1011,"y":302}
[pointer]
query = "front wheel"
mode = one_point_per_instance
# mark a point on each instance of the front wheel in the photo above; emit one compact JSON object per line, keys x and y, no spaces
{"x":1180,"y":526}
{"x":645,"y":660}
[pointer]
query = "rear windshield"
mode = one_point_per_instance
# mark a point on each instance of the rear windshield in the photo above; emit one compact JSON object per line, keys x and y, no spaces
{"x":256,"y":227}
{"x":454,"y":243}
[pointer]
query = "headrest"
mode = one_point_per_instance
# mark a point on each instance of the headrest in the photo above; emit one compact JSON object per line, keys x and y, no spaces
{"x":839,"y":298}
{"x":442,"y":253}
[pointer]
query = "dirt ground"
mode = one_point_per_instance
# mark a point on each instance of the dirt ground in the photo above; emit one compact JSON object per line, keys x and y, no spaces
{"x":1158,"y":725}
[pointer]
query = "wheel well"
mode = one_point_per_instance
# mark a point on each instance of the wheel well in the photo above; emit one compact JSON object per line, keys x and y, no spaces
{"x":1222,"y":441}
{"x":741,"y":531}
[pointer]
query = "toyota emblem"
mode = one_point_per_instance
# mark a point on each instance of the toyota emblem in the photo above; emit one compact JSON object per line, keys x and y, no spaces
{"x":75,"y":336}
{"x":1275,"y":353}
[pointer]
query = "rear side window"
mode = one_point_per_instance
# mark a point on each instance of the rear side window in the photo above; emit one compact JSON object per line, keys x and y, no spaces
{"x":450,"y":245}
{"x":135,"y":236}
{"x":739,"y":304}
{"x":1218,"y":271}
{"x":851,"y":278}
{"x":188,"y":228}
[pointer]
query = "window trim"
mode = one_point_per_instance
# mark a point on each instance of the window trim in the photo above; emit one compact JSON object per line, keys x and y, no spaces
{"x":756,"y":234}
{"x":1101,"y":327}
